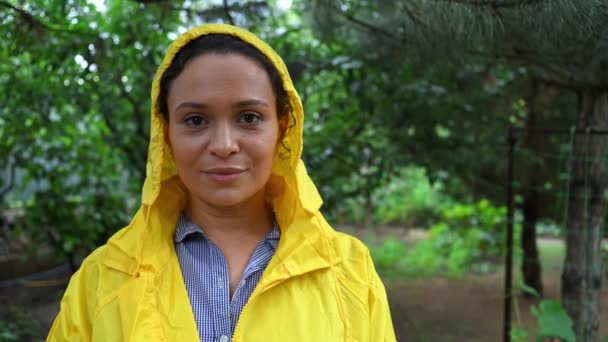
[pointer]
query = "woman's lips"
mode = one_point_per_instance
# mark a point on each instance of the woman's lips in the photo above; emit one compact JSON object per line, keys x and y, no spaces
{"x":224,"y":174}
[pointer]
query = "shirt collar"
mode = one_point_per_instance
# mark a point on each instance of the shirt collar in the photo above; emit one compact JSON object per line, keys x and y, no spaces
{"x":185,"y":228}
{"x":273,"y":236}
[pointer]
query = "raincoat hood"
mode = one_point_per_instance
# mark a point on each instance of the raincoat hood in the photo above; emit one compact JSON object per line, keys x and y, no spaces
{"x":293,"y":191}
{"x":294,"y":198}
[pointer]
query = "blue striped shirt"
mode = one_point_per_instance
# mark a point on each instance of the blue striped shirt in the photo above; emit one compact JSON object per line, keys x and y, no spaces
{"x":205,"y":274}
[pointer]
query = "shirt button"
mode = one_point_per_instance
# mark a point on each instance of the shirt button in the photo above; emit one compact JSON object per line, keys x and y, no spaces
{"x":224,"y":338}
{"x":242,"y":283}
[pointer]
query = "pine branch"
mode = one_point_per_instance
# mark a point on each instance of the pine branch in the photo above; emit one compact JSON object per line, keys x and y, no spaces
{"x":413,"y":17}
{"x":223,"y":10}
{"x":569,"y":45}
{"x":493,"y":3}
{"x":365,"y":24}
{"x":555,"y":84}
{"x":557,"y":75}
{"x":38,"y":25}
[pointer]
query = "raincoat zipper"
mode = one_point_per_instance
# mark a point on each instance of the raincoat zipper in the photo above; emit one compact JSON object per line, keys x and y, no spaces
{"x":236,"y":336}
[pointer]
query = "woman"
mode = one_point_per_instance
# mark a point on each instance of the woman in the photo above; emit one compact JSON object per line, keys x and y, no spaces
{"x":229,"y":243}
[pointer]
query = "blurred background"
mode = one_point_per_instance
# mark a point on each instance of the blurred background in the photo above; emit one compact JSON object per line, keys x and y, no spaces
{"x":416,"y":112}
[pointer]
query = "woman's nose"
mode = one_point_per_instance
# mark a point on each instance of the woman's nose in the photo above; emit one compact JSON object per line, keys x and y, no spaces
{"x":224,"y":141}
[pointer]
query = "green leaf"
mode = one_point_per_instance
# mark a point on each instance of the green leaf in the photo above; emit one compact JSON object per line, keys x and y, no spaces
{"x":527,"y":289}
{"x":553,"y":321}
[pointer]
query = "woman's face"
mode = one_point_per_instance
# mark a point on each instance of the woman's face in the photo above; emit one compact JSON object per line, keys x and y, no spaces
{"x":223,"y":129}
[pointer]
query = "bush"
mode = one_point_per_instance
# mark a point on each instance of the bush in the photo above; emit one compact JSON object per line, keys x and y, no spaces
{"x":409,"y":199}
{"x":388,"y":257}
{"x":16,"y":324}
{"x":467,"y":239}
{"x":448,"y":252}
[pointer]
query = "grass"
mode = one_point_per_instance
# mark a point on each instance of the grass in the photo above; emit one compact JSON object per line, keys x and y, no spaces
{"x":552,"y":253}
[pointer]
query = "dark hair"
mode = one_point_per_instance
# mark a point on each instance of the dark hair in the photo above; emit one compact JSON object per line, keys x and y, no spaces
{"x":221,"y":44}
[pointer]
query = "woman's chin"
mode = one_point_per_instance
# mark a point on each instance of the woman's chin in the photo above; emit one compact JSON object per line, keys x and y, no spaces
{"x":229,"y":200}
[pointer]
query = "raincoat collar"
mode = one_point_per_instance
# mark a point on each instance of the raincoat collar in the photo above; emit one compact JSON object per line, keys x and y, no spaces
{"x":148,"y":240}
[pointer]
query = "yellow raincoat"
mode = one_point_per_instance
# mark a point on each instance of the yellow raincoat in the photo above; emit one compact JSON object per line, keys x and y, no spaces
{"x":319,"y":286}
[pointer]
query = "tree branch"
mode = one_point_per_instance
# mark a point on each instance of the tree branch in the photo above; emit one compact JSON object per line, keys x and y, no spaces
{"x":366,"y":25}
{"x":24,"y":14}
{"x":519,"y":56}
{"x":556,"y":83}
{"x":227,"y":12}
{"x":37,"y":24}
{"x":558,"y":77}
{"x":215,"y":12}
{"x":493,"y":3}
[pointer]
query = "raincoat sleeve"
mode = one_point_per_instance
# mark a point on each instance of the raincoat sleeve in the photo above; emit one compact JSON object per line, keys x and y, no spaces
{"x":73,"y":323}
{"x":381,"y":324}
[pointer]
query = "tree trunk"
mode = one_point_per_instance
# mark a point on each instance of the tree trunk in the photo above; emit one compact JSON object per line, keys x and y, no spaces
{"x":368,"y":221}
{"x":530,"y":263}
{"x":581,"y":277}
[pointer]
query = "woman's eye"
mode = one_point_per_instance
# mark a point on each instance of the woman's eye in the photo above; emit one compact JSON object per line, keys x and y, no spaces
{"x":194,"y":121}
{"x":250,"y":118}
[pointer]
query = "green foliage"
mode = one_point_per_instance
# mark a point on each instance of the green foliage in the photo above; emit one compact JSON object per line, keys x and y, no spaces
{"x":349,"y":210}
{"x":74,"y":115}
{"x":447,"y":253}
{"x":75,"y":112}
{"x":519,"y":335}
{"x":553,"y":321}
{"x":468,"y":238}
{"x":347,"y":149}
{"x":481,"y":222}
{"x":388,"y":257}
{"x":16,"y":324}
{"x":409,"y":199}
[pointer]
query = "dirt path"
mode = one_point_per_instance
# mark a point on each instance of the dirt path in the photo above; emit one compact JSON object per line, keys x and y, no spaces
{"x":469,"y":309}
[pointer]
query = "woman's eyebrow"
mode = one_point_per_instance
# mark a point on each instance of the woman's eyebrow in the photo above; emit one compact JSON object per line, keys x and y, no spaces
{"x":240,"y":104}
{"x":194,"y":105}
{"x":252,"y":102}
